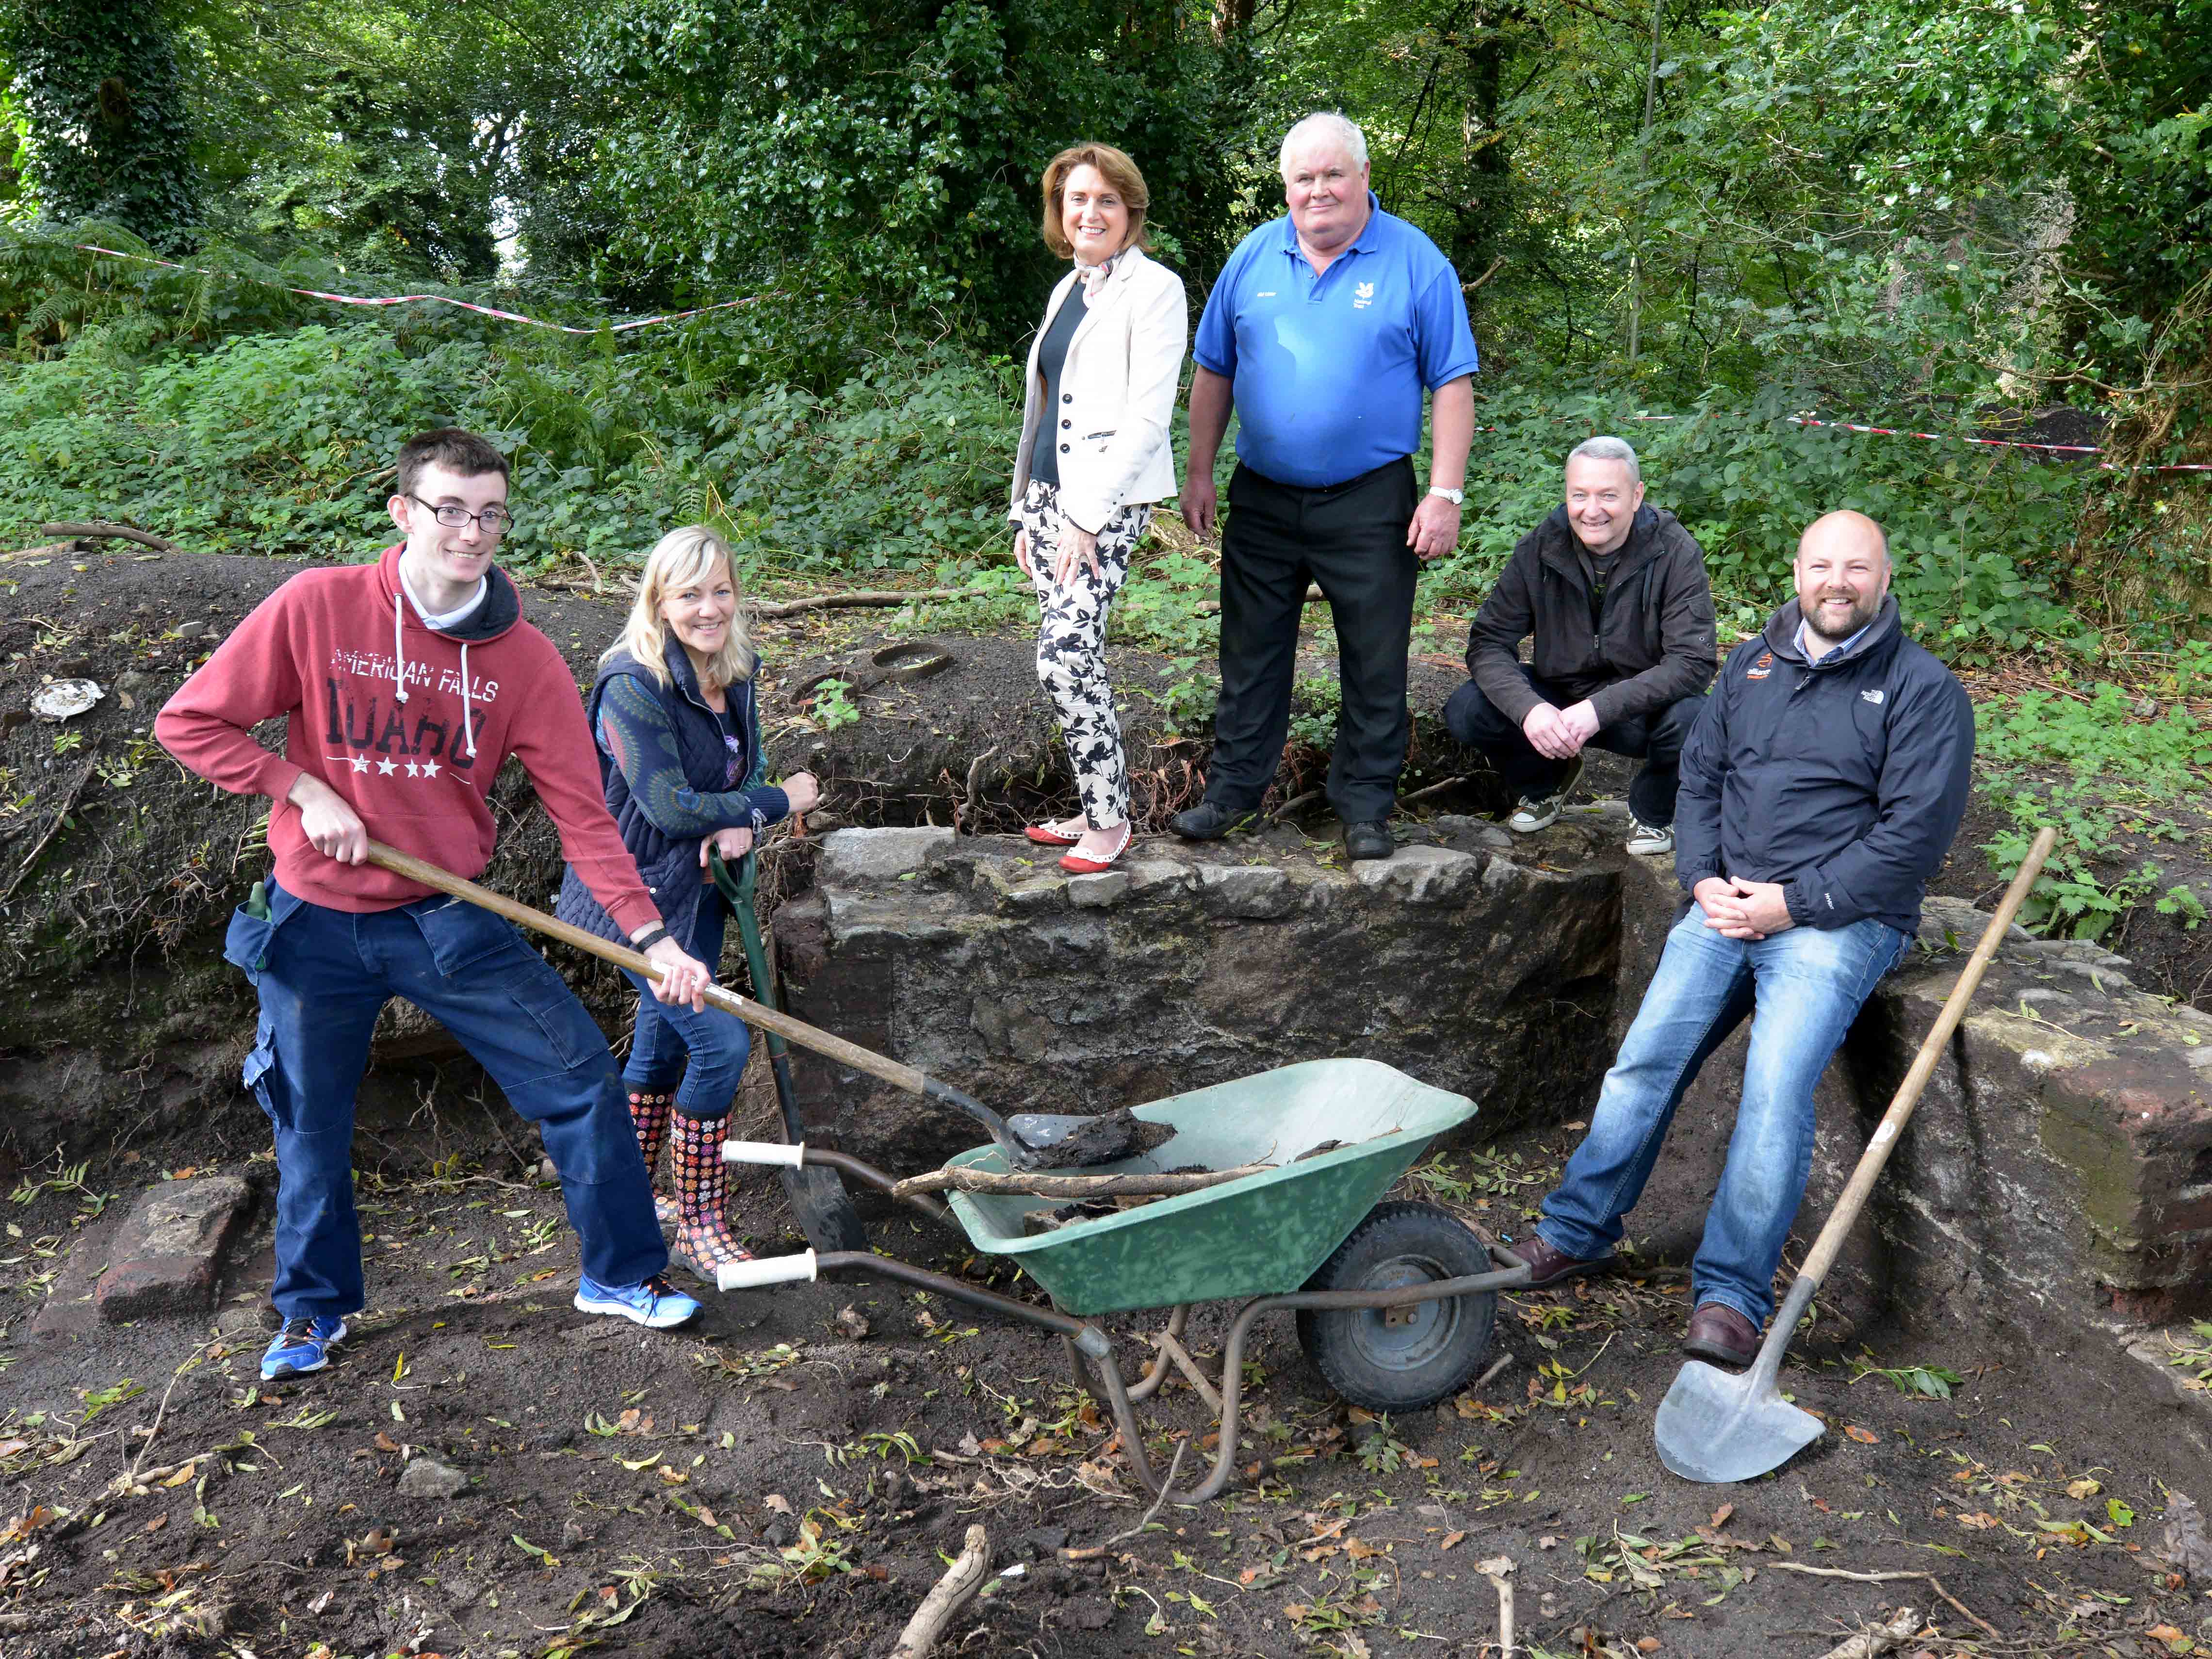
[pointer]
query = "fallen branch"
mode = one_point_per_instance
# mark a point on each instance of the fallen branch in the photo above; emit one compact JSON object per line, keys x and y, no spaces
{"x":1840,"y":1573}
{"x":68,"y":804}
{"x":851,"y":601}
{"x":1175,"y":1350}
{"x":1499,"y":1569}
{"x":50,"y":551}
{"x":1877,"y":1638}
{"x":1489,"y":1376}
{"x":960,"y":1581}
{"x":964,"y":1180}
{"x":974,"y":782}
{"x":1433,"y":789}
{"x":96,"y":531}
{"x":1933,"y":1583}
{"x":1167,"y":1486}
{"x":162,"y":1411}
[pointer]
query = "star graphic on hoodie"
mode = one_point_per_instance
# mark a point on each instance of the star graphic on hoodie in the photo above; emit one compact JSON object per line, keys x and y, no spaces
{"x":429,"y":769}
{"x":360,"y":762}
{"x":385,"y":768}
{"x":413,"y":770}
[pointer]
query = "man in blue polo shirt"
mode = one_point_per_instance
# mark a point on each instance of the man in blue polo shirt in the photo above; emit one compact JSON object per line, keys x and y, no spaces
{"x":1323,"y":332}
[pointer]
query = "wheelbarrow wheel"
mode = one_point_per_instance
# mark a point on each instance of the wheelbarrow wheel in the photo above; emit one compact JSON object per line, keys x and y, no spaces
{"x":1400,"y":1360}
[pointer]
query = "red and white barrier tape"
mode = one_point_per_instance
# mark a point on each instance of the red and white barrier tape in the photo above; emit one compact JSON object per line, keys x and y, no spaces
{"x":754,"y":298}
{"x":421,"y":298}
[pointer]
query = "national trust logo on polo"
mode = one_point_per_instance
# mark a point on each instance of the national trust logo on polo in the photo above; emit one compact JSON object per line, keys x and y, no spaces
{"x":1362,"y":296}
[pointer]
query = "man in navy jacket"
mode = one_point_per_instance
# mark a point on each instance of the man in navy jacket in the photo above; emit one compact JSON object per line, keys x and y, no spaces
{"x":1820,"y":788}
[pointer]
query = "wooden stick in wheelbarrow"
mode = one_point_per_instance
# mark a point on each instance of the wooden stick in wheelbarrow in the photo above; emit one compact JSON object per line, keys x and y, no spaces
{"x":1019,"y":1152}
{"x":1718,"y":1428}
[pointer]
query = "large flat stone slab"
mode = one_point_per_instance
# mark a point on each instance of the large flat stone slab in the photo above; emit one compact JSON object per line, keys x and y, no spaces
{"x":164,"y":1260}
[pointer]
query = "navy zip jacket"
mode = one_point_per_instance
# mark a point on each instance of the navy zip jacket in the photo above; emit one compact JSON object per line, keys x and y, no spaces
{"x":1844,"y":780}
{"x":662,"y":763}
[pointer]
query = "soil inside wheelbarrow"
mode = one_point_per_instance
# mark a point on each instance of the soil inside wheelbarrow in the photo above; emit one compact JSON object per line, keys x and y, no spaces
{"x":788,"y":1476}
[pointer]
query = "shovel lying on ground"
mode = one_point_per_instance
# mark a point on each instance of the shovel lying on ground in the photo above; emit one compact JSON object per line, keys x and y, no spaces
{"x":1719,"y":1428}
{"x":1030,"y":1140}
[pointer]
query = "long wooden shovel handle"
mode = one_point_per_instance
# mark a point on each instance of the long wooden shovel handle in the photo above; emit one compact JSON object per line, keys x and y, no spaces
{"x":753,"y":1013}
{"x":1830,"y":1243}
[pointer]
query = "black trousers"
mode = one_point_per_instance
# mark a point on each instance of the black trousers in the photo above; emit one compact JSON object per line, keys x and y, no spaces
{"x":1656,"y":738}
{"x":1350,"y":538}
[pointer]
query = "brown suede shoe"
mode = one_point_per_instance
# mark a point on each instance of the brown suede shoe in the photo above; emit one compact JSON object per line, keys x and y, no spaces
{"x":1548,"y":1267}
{"x":1720,"y":1334}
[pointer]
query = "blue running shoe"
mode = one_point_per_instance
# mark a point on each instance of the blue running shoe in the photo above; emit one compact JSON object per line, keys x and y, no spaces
{"x":302,"y":1347}
{"x":656,"y":1304}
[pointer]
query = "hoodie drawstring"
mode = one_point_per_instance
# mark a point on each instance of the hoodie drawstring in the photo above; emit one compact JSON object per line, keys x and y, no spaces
{"x":398,"y":652}
{"x":468,"y":726}
{"x":399,"y":674}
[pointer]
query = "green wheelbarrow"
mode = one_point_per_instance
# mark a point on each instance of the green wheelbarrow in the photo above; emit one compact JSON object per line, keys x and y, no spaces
{"x":1396,"y":1301}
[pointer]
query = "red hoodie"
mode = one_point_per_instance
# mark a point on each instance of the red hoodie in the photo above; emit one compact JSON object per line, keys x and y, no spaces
{"x":410,"y":724}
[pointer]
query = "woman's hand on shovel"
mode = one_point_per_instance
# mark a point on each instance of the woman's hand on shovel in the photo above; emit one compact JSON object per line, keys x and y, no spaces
{"x":683,"y":978}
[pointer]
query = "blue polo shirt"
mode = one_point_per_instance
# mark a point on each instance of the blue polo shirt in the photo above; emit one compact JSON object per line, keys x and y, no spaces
{"x":1328,"y":370}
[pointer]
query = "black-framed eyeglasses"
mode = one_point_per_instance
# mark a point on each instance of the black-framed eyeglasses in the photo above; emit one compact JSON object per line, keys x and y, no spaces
{"x":494,"y":520}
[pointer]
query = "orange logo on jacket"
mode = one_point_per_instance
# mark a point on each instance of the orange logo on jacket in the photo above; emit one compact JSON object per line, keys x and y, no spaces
{"x":1762,"y":668}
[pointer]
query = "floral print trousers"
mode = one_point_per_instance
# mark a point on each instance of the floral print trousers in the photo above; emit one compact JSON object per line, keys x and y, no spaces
{"x":1071,"y":656}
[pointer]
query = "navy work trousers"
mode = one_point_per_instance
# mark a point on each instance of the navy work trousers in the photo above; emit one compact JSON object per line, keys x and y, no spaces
{"x":324,"y":975}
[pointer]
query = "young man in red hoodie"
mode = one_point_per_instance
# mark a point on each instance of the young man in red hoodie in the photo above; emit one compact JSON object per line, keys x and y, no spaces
{"x":406,"y":685}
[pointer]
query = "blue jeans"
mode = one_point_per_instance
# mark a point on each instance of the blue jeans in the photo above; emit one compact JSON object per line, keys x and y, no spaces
{"x":716,"y":1044}
{"x":1808,"y":984}
{"x":324,"y":974}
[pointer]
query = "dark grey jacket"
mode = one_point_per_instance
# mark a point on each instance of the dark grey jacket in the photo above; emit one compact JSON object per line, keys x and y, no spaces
{"x":1655,"y":641}
{"x":1844,"y":780}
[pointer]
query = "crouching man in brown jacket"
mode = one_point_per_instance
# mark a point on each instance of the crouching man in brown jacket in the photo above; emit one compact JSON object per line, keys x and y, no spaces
{"x":1615,"y":594}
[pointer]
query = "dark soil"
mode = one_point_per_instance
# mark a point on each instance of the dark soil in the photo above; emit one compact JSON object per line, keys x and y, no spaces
{"x":786,"y":1477}
{"x":782,"y":1479}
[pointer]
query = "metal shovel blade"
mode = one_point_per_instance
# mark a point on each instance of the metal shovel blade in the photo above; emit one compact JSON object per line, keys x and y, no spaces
{"x":1718,"y":1428}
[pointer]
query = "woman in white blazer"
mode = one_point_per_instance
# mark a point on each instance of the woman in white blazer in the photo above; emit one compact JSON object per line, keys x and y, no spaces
{"x":1094,"y":456}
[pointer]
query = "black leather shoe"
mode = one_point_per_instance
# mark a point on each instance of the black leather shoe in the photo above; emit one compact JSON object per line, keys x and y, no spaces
{"x":1719,"y":1334}
{"x":1207,"y":821}
{"x":1369,"y":839}
{"x":1548,"y":1267}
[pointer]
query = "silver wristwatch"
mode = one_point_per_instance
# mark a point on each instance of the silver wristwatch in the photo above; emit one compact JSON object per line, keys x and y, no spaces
{"x":1456,"y":497}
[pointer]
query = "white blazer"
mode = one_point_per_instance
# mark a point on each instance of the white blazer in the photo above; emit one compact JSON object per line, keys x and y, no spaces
{"x":1117,"y":394}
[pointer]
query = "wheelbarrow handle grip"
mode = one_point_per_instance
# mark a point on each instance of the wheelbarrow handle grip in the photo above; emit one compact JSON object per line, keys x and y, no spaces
{"x":802,"y":1268}
{"x":1830,"y":1243}
{"x":773,"y":1153}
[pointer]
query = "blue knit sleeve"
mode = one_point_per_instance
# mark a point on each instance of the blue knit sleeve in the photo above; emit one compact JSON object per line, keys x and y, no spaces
{"x":634,"y":731}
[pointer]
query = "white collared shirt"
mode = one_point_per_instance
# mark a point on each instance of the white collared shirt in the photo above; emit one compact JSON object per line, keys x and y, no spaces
{"x":445,"y":621}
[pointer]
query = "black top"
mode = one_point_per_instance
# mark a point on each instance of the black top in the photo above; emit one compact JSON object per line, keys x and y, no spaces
{"x":1056,"y":431}
{"x":1844,"y":780}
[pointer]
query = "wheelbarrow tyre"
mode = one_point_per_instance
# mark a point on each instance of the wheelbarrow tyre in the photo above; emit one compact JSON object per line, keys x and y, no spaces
{"x":1428,"y":1358}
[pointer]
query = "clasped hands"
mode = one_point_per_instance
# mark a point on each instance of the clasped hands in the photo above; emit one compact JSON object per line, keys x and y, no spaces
{"x":1559,"y":733}
{"x":1743,"y":909}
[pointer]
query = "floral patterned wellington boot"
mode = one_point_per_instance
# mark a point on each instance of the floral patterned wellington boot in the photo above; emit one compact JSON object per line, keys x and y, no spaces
{"x":704,"y":1240}
{"x":648,"y":1116}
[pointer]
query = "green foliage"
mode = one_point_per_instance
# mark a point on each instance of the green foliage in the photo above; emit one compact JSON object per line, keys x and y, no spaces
{"x":2093,"y":769}
{"x":889,"y":148}
{"x":1967,"y":527}
{"x":105,"y":133}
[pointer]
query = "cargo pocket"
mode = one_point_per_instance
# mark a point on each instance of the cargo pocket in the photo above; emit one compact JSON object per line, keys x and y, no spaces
{"x":260,"y":1060}
{"x":245,"y":942}
{"x":546,"y":998}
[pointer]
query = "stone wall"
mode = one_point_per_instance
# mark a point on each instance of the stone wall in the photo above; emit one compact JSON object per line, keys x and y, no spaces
{"x":976,"y":959}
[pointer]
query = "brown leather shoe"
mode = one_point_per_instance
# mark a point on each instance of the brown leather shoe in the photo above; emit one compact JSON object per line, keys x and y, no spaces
{"x":1548,"y":1267}
{"x":1719,"y":1334}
